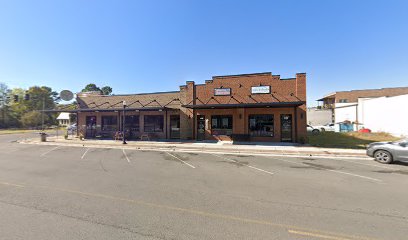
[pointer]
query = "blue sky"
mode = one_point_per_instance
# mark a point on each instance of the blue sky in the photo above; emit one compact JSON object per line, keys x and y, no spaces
{"x":148,"y":46}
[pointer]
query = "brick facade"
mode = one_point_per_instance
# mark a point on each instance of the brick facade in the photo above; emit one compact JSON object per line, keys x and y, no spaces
{"x":286,"y":96}
{"x":282,"y":90}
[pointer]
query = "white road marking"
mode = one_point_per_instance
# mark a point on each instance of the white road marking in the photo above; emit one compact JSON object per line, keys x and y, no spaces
{"x":355,"y":175}
{"x":11,"y":184}
{"x":49,"y":151}
{"x":366,"y":164}
{"x":336,"y":171}
{"x":124,"y":153}
{"x":83,"y":155}
{"x":180,"y":160}
{"x":317,"y":235}
{"x":235,"y":161}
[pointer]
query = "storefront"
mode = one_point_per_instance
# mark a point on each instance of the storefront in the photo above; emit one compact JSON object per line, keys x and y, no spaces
{"x":248,"y":107}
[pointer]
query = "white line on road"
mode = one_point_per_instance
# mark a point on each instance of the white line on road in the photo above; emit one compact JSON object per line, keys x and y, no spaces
{"x":83,"y":155}
{"x":317,"y":235}
{"x":124,"y":153}
{"x":49,"y":151}
{"x":180,"y":160}
{"x":331,"y":170}
{"x":355,"y":175}
{"x":366,"y":164}
{"x":235,"y":161}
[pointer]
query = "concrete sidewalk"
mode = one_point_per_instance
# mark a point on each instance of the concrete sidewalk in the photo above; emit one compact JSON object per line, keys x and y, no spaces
{"x":206,"y":146}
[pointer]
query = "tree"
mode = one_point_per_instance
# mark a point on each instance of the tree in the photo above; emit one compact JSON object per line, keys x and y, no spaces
{"x":4,"y":108}
{"x":93,"y":88}
{"x":32,"y":119}
{"x":106,"y":90}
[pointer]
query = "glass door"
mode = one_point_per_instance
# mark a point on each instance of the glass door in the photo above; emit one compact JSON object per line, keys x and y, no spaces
{"x":174,"y":126}
{"x":90,"y":127}
{"x":200,"y":127}
{"x":286,"y":127}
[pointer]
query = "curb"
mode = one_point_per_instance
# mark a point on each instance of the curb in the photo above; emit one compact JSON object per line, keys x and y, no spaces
{"x":195,"y":149}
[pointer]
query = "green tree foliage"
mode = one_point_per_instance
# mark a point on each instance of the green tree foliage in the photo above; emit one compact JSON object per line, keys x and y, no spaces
{"x":4,"y":105}
{"x":12,"y":112}
{"x":106,"y":90}
{"x":91,"y":88}
{"x":33,"y":119}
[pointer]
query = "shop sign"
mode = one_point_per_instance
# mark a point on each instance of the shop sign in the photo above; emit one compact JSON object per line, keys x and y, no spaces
{"x":260,"y":89}
{"x":222,"y":91}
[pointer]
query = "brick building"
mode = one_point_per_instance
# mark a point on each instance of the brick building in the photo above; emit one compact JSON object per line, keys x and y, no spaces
{"x":255,"y":107}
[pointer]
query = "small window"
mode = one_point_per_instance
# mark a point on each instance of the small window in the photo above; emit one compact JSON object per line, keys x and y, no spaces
{"x":221,"y":125}
{"x":261,"y":125}
{"x":343,"y":101}
{"x":109,"y":123}
{"x":153,"y":123}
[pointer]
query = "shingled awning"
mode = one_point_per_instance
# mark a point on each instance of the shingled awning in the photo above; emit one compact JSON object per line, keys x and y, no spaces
{"x":246,"y":105}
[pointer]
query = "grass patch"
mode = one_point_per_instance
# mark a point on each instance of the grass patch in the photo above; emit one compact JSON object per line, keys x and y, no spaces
{"x":354,"y":140}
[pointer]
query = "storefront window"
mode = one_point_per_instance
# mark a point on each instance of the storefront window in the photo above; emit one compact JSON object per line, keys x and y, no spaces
{"x":132,"y":123}
{"x":109,"y":123}
{"x":221,"y":125}
{"x":261,"y":125}
{"x":153,"y":123}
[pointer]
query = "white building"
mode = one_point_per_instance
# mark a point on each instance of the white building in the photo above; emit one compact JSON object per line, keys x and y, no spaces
{"x":380,"y":110}
{"x":385,"y":114}
{"x":318,"y":116}
{"x":63,"y":119}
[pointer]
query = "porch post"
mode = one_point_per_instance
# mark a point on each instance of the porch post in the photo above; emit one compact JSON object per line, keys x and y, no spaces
{"x":296,"y":125}
{"x":165,"y":122}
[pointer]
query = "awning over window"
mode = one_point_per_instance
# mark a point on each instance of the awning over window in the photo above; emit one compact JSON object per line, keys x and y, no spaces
{"x":246,"y":105}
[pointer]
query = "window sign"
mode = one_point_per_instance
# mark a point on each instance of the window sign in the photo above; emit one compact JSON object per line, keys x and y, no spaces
{"x":260,"y":89}
{"x":222,"y":91}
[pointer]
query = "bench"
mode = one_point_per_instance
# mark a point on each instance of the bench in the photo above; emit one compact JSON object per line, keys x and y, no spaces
{"x":240,"y":137}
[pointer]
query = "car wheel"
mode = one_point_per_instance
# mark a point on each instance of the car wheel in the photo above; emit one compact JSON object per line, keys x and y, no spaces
{"x":383,"y":156}
{"x":315,"y":131}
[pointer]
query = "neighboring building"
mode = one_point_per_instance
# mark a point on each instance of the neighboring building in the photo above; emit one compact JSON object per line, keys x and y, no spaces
{"x":63,"y":119}
{"x":319,"y":116}
{"x":346,"y":105}
{"x":385,"y":114}
{"x":256,"y":107}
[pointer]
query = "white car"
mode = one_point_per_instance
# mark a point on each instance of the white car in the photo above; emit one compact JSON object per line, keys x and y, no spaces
{"x":72,"y":129}
{"x":321,"y":128}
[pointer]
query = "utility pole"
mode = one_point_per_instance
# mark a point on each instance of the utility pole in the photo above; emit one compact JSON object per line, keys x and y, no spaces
{"x":42,"y":114}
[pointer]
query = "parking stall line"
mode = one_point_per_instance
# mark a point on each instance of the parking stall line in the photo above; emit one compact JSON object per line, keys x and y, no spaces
{"x":126,"y":156}
{"x":365,"y":164}
{"x":181,"y":160}
{"x":235,"y":161}
{"x":335,"y":171}
{"x":83,"y":155}
{"x":355,"y":175}
{"x":49,"y":151}
{"x":317,"y":235}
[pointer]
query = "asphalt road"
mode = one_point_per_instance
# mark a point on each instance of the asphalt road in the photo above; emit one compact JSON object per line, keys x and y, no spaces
{"x":49,"y":192}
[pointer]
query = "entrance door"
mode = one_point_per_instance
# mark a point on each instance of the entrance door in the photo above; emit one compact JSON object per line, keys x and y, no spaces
{"x":174,"y":126}
{"x":200,"y":127}
{"x":286,"y":127}
{"x":90,"y":126}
